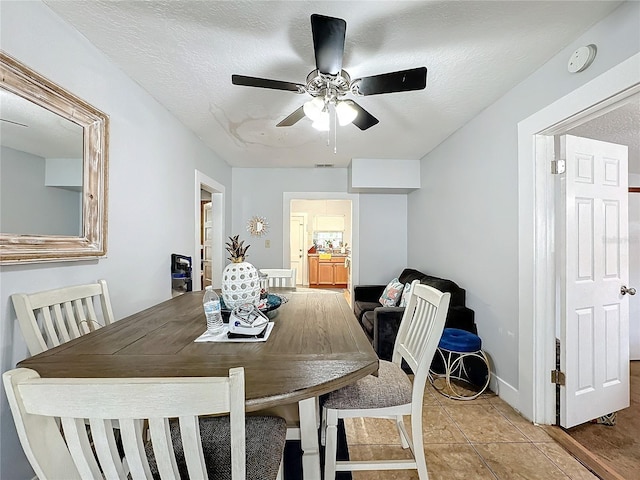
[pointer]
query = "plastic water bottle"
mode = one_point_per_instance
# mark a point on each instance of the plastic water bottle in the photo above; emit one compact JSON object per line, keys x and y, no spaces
{"x":211,"y":304}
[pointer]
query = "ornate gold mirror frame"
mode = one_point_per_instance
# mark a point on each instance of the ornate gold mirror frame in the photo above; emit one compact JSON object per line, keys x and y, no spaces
{"x":257,"y":226}
{"x":92,"y":242}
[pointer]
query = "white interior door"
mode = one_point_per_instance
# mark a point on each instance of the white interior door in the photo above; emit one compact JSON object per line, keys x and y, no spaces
{"x":207,"y":247}
{"x":594,"y":326}
{"x":634,"y":267}
{"x":296,"y":233}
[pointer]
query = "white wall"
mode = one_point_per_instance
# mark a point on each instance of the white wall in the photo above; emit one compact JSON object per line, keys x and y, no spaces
{"x":383,"y":237}
{"x":152,"y":158}
{"x":469,"y":197}
{"x":382,"y":218}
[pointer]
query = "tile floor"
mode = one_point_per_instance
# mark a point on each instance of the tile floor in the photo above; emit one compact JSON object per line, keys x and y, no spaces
{"x":479,"y":439}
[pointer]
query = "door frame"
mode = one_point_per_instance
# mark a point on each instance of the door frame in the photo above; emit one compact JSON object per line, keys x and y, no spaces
{"x":536,"y":204}
{"x":355,"y":225}
{"x":203,"y":182}
{"x":302,"y":273}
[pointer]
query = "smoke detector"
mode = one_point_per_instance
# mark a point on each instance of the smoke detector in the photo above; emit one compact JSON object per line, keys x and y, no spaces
{"x":582,"y":58}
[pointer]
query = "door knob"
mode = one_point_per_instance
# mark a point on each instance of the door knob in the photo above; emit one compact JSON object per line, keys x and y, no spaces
{"x":624,"y":290}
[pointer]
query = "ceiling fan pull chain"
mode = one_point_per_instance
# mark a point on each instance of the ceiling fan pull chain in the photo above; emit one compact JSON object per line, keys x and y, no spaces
{"x":335,"y":132}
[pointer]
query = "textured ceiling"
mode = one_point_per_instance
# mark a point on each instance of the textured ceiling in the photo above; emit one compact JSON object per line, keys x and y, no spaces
{"x":184,"y":53}
{"x":621,"y":126}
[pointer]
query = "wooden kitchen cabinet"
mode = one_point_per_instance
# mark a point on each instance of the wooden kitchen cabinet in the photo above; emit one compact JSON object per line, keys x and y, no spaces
{"x":340,"y":273}
{"x":313,"y":270}
{"x":327,"y":272}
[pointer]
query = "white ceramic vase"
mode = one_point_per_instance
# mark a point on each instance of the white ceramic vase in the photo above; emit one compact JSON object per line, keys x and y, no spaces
{"x":240,"y":284}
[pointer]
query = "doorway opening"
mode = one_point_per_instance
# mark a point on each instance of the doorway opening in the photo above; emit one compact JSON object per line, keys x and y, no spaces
{"x":336,"y":217}
{"x":208,"y":253}
{"x":537,"y":273}
{"x":535,"y":397}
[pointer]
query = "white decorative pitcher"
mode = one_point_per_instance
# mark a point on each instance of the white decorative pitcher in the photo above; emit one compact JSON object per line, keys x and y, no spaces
{"x":240,"y":284}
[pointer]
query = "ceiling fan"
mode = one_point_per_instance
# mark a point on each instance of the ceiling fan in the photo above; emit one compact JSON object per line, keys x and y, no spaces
{"x":328,"y":84}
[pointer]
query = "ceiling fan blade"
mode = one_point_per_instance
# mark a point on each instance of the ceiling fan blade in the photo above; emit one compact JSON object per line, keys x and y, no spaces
{"x":266,"y":83}
{"x":364,"y":119}
{"x":401,"y":81}
{"x":328,"y":43}
{"x":296,"y":116}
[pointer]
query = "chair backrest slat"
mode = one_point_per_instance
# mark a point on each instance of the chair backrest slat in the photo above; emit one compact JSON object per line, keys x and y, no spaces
{"x":73,"y":325}
{"x":50,"y":318}
{"x":48,"y":325}
{"x":280,"y":277}
{"x":104,"y":443}
{"x":421,"y":328}
{"x":133,"y":446}
{"x":163,"y":448}
{"x":36,"y":402}
{"x":190,"y":433}
{"x":75,"y":434}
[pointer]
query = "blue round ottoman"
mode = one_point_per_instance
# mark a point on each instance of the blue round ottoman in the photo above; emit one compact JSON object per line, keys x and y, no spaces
{"x":455,"y":348}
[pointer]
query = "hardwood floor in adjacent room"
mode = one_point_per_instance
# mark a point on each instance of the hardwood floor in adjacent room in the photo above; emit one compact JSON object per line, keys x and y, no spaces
{"x":617,"y":447}
{"x":479,"y":439}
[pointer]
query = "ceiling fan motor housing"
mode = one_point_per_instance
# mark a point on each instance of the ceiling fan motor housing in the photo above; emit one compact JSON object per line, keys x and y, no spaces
{"x":330,"y":87}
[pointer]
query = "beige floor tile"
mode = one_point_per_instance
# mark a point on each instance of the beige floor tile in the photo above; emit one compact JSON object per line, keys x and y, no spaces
{"x":533,"y":432}
{"x":437,"y":427}
{"x":443,"y":400}
{"x":371,"y":431}
{"x":483,"y":424}
{"x":389,"y":452}
{"x":479,"y":439}
{"x":455,"y":461}
{"x":430,"y":396}
{"x":519,"y":461}
{"x":569,"y":465}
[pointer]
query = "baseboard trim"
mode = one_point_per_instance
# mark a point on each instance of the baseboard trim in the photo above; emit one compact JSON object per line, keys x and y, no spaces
{"x":590,"y":460}
{"x":505,"y":391}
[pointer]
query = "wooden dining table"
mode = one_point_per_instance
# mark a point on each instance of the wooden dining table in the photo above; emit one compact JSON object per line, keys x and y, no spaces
{"x":316,"y":346}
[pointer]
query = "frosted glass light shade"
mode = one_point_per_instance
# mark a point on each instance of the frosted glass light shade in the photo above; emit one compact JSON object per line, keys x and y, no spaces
{"x":322,"y":123}
{"x":346,"y":113}
{"x":313,"y":108}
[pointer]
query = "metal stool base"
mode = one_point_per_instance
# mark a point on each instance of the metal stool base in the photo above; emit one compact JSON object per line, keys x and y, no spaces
{"x":455,"y":371}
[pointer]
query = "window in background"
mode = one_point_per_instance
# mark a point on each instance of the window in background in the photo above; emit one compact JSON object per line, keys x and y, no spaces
{"x":328,"y":239}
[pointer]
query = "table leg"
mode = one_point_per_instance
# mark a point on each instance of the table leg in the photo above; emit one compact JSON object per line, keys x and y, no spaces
{"x":309,"y":439}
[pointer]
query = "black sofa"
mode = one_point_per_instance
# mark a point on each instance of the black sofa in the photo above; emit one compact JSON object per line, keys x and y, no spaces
{"x":381,"y":324}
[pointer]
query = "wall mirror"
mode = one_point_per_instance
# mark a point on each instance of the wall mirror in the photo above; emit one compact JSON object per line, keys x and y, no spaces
{"x":53,"y":173}
{"x":257,"y":226}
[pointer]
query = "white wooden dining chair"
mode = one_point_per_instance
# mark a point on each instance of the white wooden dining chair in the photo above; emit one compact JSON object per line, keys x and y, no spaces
{"x":280,"y":277}
{"x":391,"y":394}
{"x":201,"y":447}
{"x":50,"y":318}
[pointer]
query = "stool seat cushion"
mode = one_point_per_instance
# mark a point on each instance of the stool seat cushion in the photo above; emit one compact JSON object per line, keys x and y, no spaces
{"x":456,"y":340}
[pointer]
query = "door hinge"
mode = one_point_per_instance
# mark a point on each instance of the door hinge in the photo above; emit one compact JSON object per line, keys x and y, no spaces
{"x":558,"y":166}
{"x":557,"y":377}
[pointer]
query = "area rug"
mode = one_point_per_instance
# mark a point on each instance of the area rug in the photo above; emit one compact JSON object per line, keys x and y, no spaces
{"x":293,"y":457}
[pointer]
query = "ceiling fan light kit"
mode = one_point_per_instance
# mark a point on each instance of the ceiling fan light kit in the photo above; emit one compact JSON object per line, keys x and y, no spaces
{"x":328,"y":84}
{"x":346,"y":113}
{"x":322,"y":122}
